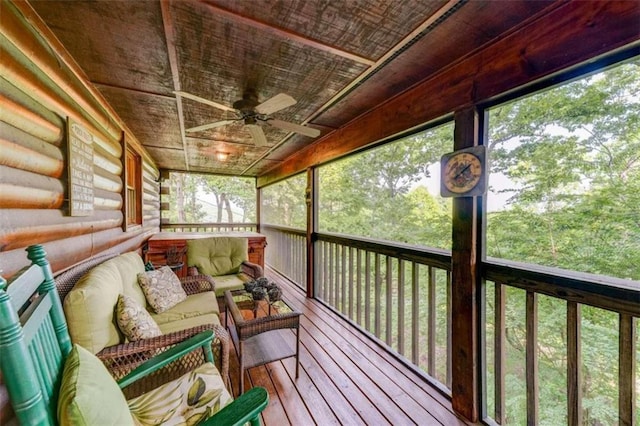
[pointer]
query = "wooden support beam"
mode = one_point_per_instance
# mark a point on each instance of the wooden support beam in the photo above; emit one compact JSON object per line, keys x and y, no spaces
{"x":465,"y":277}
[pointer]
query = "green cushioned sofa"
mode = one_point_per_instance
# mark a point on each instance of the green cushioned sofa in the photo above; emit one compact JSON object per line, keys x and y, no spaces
{"x":225,"y":259}
{"x":89,"y":306}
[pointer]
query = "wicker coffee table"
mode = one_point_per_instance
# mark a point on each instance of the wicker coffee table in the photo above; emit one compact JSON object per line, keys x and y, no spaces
{"x":263,"y":339}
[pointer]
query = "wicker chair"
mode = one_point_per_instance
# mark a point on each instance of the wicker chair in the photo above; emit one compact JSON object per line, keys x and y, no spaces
{"x":123,"y":358}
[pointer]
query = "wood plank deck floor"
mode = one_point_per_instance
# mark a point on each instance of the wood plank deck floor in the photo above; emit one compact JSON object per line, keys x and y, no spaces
{"x":345,"y":378}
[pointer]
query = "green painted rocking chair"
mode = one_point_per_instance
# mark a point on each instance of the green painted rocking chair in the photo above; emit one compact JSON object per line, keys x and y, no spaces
{"x":51,"y":381}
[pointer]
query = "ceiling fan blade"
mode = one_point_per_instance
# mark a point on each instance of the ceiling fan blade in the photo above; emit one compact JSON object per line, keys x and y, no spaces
{"x":296,"y":128}
{"x":258,"y":135}
{"x":210,"y":126}
{"x":274,"y":104}
{"x":204,"y":101}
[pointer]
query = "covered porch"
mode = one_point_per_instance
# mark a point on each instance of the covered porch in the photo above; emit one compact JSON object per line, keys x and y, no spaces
{"x":437,"y":327}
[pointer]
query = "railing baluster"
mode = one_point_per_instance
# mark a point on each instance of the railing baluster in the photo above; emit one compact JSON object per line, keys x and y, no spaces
{"x":377,"y":307}
{"x":351,"y":249}
{"x":331,"y":275}
{"x":325,"y":270}
{"x":431,"y":347}
{"x":343,"y":280}
{"x":359,"y":285}
{"x":449,"y":330}
{"x":532,"y":357}
{"x":367,"y":294}
{"x":574,"y":372}
{"x":389,"y":300}
{"x":415,"y":313}
{"x":627,"y":339}
{"x":500,"y":335}
{"x":401,"y":307}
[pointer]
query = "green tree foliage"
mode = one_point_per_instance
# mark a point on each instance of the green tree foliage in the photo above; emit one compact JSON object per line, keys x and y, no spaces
{"x":572,"y":154}
{"x":284,"y":203}
{"x":378,"y":193}
{"x":188,"y":198}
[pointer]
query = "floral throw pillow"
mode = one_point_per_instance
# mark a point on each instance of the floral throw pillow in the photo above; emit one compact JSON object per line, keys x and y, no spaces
{"x":134,"y":321}
{"x":162,"y":288}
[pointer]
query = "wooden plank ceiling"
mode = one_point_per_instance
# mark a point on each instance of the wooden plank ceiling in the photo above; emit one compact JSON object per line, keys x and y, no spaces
{"x":338,"y":59}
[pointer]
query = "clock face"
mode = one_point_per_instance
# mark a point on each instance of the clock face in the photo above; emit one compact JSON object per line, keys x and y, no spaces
{"x":462,"y":172}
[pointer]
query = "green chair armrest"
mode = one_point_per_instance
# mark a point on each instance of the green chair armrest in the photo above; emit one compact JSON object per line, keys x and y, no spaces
{"x":246,"y":408}
{"x":199,"y":340}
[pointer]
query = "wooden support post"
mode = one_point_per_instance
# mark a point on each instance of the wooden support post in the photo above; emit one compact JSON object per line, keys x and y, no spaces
{"x":627,"y":362}
{"x":258,"y":209}
{"x":465,"y":276}
{"x":311,"y":198}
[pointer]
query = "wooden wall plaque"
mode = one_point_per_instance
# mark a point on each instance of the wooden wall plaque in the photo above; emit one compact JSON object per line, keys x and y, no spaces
{"x":80,"y":169}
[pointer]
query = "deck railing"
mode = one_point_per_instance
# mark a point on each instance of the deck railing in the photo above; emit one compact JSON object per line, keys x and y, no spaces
{"x":399,"y":293}
{"x":286,"y":252}
{"x":207,"y":227}
{"x":573,"y":343}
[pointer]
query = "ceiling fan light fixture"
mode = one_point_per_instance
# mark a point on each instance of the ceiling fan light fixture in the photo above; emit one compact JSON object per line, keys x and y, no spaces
{"x":221,"y":155}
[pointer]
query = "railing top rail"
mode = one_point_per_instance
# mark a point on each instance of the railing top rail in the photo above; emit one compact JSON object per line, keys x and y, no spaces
{"x":283,"y":228}
{"x":424,"y":255}
{"x":209,"y":224}
{"x":610,"y":293}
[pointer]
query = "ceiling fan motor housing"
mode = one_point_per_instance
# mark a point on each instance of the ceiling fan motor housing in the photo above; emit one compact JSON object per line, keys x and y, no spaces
{"x":247,"y":104}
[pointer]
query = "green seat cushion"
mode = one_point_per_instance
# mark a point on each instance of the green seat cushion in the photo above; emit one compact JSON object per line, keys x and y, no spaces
{"x":229,"y":282}
{"x":183,"y":324}
{"x":217,"y":256}
{"x":194,"y":305}
{"x":187,"y":400}
{"x":90,"y":306}
{"x":88,"y":393}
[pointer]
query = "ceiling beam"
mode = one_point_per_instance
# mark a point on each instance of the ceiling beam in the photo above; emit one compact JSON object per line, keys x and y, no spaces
{"x":281,"y":32}
{"x":131,"y":89}
{"x":170,"y":36}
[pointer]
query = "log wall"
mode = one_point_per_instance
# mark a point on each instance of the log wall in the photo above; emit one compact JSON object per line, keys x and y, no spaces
{"x":40,"y":87}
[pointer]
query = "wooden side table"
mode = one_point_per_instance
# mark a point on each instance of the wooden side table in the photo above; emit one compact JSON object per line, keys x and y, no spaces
{"x":263,"y":339}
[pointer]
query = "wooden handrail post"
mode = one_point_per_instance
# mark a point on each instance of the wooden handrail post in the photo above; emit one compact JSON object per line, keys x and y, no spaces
{"x":465,"y":278}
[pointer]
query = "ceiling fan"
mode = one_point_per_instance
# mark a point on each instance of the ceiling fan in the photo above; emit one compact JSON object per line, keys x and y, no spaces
{"x":253,"y":113}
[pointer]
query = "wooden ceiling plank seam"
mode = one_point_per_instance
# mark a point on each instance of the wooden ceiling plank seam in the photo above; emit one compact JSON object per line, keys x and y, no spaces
{"x":170,"y":37}
{"x":131,"y":89}
{"x":281,"y":32}
{"x":435,"y":17}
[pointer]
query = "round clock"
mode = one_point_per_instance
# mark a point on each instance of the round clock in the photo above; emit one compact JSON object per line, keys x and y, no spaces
{"x":463,"y":173}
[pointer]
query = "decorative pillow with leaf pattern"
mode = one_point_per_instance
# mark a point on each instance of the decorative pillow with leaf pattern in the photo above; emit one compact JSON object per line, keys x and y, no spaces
{"x":187,"y":400}
{"x":162,"y":288}
{"x":134,"y":321}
